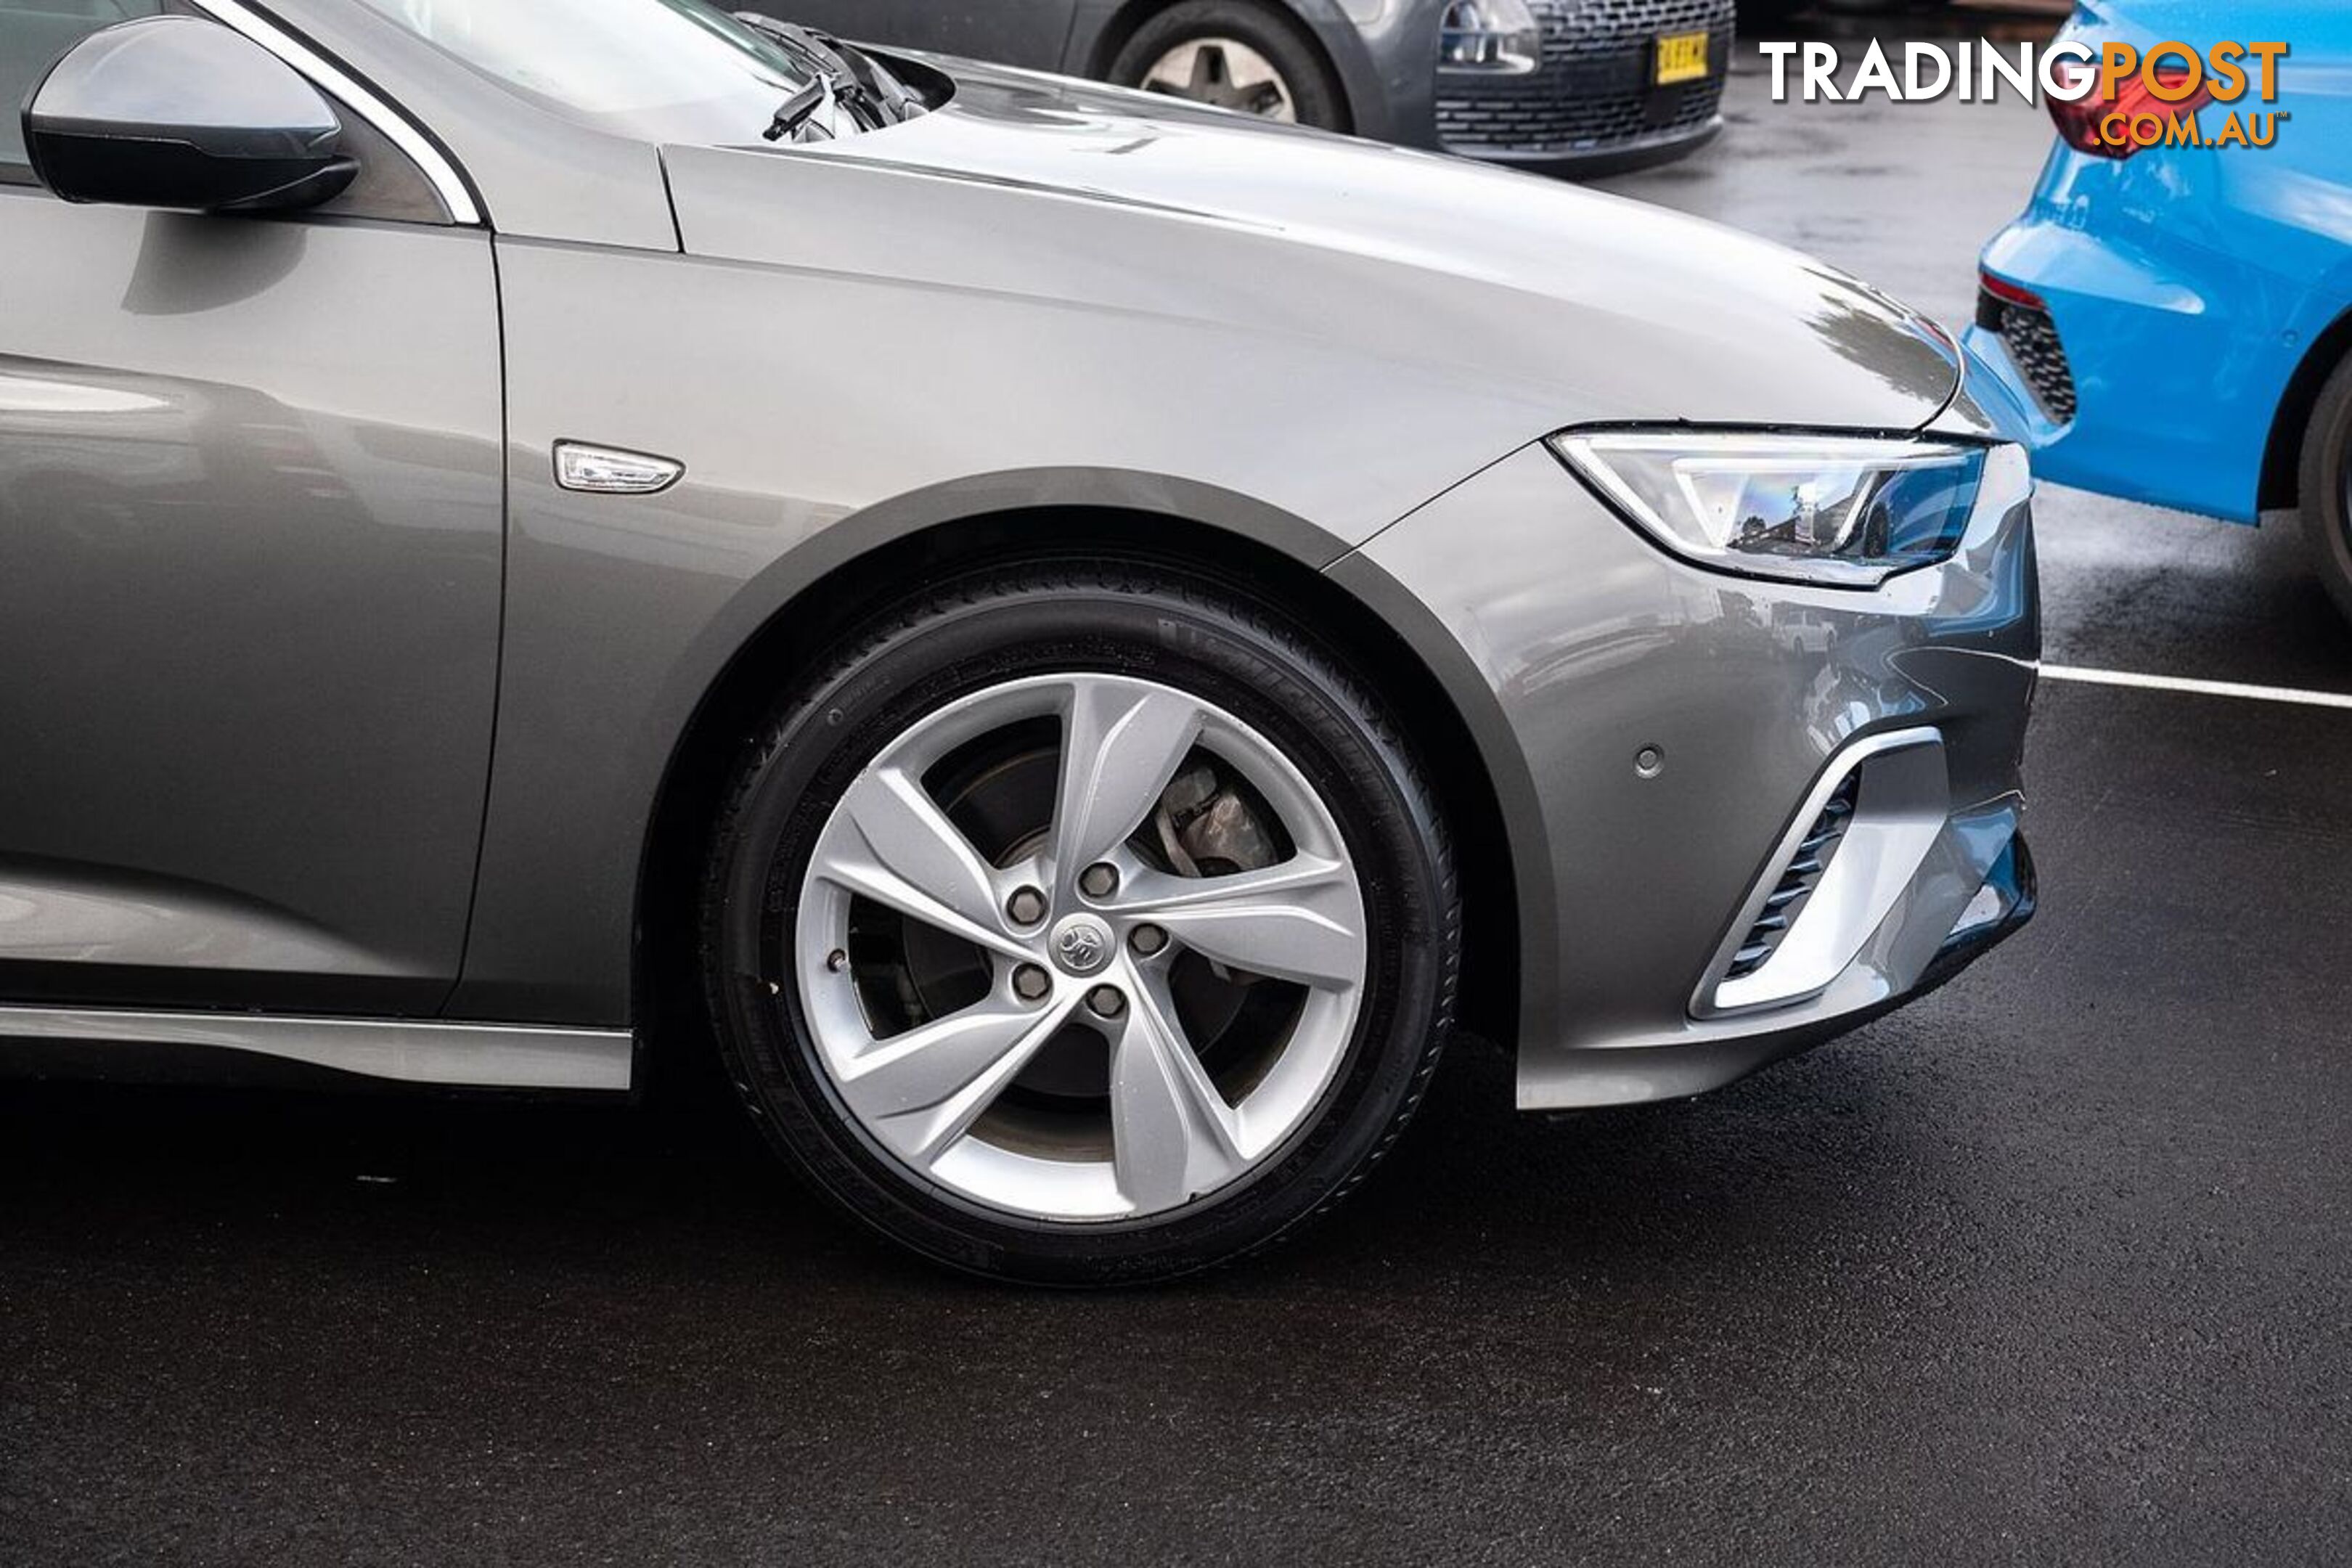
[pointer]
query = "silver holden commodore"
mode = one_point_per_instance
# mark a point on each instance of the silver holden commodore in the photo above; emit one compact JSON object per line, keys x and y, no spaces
{"x":1077,"y":634}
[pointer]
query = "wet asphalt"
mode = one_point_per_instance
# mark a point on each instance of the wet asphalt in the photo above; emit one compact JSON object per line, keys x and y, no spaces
{"x":2049,"y":1268}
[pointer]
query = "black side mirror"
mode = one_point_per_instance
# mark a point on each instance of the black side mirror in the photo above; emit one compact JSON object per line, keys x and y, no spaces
{"x":177,"y":111}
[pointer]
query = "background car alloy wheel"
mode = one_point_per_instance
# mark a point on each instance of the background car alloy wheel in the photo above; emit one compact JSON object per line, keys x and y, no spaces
{"x":1235,"y":54}
{"x":1082,"y":928}
{"x":1226,"y":72}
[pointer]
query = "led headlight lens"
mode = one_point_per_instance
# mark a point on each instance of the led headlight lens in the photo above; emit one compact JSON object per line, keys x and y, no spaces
{"x":1843,"y":511}
{"x":1497,"y":37}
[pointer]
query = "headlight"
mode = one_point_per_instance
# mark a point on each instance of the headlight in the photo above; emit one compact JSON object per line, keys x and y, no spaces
{"x":1843,"y":511}
{"x":1497,"y":37}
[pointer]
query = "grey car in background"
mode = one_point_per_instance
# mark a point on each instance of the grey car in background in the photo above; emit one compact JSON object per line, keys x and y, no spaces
{"x":1562,"y":87}
{"x":1077,"y":635}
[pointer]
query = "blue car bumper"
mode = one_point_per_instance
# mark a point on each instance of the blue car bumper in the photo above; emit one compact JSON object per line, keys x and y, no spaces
{"x":2148,"y":373}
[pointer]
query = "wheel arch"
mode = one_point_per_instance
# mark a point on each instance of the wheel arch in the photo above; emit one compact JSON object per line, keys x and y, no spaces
{"x":2282,"y":475}
{"x":1257,"y":549}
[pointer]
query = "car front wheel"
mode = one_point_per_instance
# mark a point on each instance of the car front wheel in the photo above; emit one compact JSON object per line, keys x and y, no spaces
{"x":1082,"y":926}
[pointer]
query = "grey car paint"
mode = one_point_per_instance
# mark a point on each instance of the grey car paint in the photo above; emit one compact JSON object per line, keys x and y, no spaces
{"x":1116,"y":242}
{"x":850,"y":343}
{"x":1748,"y":694}
{"x":249,"y":606}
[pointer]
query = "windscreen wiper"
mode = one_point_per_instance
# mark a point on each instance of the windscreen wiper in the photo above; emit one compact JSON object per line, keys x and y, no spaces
{"x":797,"y":108}
{"x":880,"y":82}
{"x":869,"y":90}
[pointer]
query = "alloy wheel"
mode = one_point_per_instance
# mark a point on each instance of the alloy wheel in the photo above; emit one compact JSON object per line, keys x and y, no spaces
{"x":1080,"y":947}
{"x":1226,"y":72}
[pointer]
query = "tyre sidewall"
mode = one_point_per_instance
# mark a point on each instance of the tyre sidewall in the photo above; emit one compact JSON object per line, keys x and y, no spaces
{"x":2325,"y":480}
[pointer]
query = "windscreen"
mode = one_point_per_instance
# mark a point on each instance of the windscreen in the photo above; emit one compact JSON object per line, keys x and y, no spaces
{"x":667,"y":71}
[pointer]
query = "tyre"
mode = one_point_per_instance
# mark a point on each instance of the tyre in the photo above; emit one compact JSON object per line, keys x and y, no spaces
{"x":1081,"y":926}
{"x":1236,"y":55}
{"x":2326,"y":486}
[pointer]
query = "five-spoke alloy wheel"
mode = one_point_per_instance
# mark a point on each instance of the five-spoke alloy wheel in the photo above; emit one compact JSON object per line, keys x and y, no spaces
{"x":1082,"y":928}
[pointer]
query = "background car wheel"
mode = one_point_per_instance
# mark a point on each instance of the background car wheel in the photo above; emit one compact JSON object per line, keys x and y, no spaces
{"x":1234,"y":55}
{"x":1082,"y":926}
{"x":2326,"y":486}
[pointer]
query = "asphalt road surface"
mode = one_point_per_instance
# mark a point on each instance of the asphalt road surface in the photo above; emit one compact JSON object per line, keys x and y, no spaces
{"x":2050,"y":1268}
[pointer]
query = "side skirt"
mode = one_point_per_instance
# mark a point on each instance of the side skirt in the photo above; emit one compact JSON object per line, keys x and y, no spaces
{"x":422,"y":1051}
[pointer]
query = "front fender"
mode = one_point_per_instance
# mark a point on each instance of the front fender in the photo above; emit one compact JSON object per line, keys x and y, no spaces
{"x":624,"y":615}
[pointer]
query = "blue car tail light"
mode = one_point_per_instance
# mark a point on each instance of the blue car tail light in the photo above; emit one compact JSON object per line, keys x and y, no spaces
{"x":2085,"y":123}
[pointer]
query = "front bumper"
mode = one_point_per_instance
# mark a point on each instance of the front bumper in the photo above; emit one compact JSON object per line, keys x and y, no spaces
{"x":2154,"y":372}
{"x":1643,"y":892}
{"x":1593,"y":106}
{"x":1600,"y":159}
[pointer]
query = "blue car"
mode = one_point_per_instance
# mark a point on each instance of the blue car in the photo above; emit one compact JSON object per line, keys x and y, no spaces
{"x":2175,"y":320}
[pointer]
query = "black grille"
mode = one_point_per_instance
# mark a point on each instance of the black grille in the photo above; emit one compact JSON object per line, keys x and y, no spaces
{"x":1594,"y":88}
{"x":2032,"y":340}
{"x":1796,"y":884}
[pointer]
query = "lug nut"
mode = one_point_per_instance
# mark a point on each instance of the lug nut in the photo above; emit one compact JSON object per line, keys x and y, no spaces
{"x":1148,"y":939}
{"x":1027,"y":906}
{"x":1031,"y":983}
{"x":1099,"y":880}
{"x":1106,"y":1001}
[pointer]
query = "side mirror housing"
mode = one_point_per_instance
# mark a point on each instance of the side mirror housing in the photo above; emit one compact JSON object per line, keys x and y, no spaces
{"x":178,"y":111}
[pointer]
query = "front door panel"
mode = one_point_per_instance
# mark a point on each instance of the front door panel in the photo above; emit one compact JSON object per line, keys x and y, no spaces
{"x":250,"y":517}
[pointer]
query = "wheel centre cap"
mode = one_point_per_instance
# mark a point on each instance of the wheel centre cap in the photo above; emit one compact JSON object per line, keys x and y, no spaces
{"x":1081,"y":944}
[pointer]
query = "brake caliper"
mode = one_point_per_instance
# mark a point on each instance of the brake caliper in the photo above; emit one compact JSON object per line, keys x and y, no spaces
{"x":1206,"y":828}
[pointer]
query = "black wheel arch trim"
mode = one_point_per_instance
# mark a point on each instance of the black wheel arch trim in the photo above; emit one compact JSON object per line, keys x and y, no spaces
{"x":2281,"y":480}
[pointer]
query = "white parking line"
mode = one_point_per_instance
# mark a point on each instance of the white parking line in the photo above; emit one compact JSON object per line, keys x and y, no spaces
{"x":2238,"y":689}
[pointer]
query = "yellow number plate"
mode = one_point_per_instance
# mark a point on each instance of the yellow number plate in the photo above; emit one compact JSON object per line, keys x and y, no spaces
{"x":1682,"y":56}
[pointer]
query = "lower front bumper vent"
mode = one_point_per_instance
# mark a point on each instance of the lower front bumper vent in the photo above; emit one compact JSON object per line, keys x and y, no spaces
{"x":1857,"y":843}
{"x":1787,"y":900}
